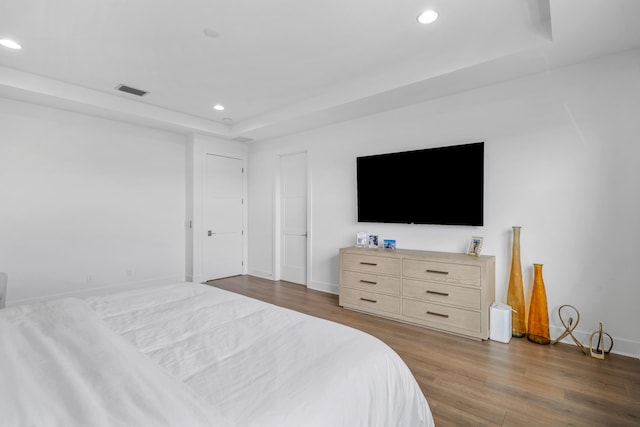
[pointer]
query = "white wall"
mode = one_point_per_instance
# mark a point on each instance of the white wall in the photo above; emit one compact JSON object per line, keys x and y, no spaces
{"x":87,"y":203}
{"x":561,"y":156}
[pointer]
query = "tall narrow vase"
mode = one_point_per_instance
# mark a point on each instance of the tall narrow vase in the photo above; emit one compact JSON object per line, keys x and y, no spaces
{"x":515,"y":295}
{"x":538,"y":326}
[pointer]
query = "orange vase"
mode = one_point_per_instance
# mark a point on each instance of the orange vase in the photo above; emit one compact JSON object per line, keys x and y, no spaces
{"x":515,"y":294}
{"x":538,"y":325}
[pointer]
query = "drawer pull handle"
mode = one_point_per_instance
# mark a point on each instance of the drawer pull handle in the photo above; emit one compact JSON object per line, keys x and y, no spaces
{"x":368,"y":263}
{"x":369,"y":282}
{"x":368,"y":300}
{"x":437,"y":314}
{"x":444,"y":294}
{"x":437,"y":272}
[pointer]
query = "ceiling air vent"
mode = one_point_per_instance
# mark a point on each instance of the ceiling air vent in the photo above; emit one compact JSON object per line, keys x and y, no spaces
{"x":131,"y":90}
{"x":242,"y":139}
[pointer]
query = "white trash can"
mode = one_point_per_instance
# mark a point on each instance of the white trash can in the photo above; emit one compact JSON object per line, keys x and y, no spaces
{"x":500,"y":322}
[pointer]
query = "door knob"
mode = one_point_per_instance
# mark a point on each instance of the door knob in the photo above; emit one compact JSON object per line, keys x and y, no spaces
{"x":210,"y":233}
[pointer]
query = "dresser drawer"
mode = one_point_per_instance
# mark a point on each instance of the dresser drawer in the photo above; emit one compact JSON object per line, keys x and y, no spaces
{"x":371,"y":282}
{"x":441,"y":316}
{"x":442,"y":272}
{"x":369,"y":300}
{"x":441,"y":293}
{"x":372,"y":264}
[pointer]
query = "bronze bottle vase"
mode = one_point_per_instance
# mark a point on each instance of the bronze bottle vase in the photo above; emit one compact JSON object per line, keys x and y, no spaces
{"x":515,"y":295}
{"x":538,"y":323}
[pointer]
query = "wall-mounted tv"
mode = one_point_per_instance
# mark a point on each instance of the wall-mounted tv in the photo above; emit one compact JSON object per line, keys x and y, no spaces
{"x":442,"y":185}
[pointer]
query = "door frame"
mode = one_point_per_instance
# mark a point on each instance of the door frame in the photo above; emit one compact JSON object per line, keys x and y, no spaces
{"x":198,"y":147}
{"x":277,"y":216}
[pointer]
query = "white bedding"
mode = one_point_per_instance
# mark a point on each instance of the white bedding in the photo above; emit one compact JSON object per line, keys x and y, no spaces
{"x":60,"y":365}
{"x":227,"y":359}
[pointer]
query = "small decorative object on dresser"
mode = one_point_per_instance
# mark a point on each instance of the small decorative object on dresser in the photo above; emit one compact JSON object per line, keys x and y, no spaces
{"x":389,"y":244}
{"x":450,"y":292}
{"x":373,"y":241}
{"x":361,"y":239}
{"x":475,"y":246}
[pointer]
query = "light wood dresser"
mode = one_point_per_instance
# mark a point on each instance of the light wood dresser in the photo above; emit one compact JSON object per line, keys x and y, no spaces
{"x":450,"y":292}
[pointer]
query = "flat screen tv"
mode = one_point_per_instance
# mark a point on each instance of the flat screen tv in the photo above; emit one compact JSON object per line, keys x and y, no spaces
{"x":442,"y":185}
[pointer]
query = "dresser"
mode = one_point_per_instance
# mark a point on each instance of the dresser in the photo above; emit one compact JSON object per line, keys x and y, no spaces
{"x":450,"y":292}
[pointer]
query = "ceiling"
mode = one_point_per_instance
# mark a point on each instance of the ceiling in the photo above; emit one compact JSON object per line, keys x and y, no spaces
{"x":283,"y":66}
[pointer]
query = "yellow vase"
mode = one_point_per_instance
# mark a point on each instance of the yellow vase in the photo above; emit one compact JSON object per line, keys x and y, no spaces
{"x":515,"y":294}
{"x":538,"y":325}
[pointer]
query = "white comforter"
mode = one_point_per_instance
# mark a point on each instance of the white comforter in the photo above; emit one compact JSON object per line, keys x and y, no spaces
{"x":262,"y":365}
{"x":191,"y":355}
{"x":60,"y":365}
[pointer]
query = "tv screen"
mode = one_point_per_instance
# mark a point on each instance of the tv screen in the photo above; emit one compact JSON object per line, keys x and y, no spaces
{"x":443,"y":185}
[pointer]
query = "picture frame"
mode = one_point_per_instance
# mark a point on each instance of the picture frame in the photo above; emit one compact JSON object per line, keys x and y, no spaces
{"x":373,"y":241}
{"x":361,"y":239}
{"x":389,"y":244}
{"x":475,"y":246}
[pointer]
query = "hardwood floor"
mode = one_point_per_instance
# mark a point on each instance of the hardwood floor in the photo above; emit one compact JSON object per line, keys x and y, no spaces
{"x":488,"y":383}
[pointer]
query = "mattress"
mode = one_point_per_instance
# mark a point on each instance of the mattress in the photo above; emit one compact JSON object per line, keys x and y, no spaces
{"x":190,"y":354}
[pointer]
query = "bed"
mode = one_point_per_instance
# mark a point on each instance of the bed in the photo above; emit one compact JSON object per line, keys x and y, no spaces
{"x":192,"y":355}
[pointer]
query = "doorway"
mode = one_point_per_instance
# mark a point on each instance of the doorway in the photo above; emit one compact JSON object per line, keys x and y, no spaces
{"x":222,"y":243}
{"x":293,"y":218}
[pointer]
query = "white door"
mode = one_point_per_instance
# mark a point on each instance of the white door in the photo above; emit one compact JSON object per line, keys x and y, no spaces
{"x":293,"y":210}
{"x":223,"y":217}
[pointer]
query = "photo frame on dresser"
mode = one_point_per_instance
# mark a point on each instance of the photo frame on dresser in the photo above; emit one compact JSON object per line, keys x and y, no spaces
{"x":373,"y":240}
{"x":361,"y":239}
{"x":475,"y":246}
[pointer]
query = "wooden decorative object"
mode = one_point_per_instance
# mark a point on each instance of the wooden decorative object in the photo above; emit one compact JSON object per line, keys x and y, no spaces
{"x":569,"y":328}
{"x":599,"y":350}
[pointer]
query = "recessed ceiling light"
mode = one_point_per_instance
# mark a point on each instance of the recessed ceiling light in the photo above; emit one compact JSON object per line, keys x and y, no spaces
{"x":218,"y":107}
{"x":10,"y":44}
{"x":428,"y":16}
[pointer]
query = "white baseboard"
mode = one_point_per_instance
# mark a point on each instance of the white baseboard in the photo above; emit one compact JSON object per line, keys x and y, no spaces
{"x":196,"y":279}
{"x":330,"y":288}
{"x":261,"y":274}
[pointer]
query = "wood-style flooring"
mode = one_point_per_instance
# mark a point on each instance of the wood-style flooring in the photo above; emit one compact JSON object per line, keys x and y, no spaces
{"x":469,"y":382}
